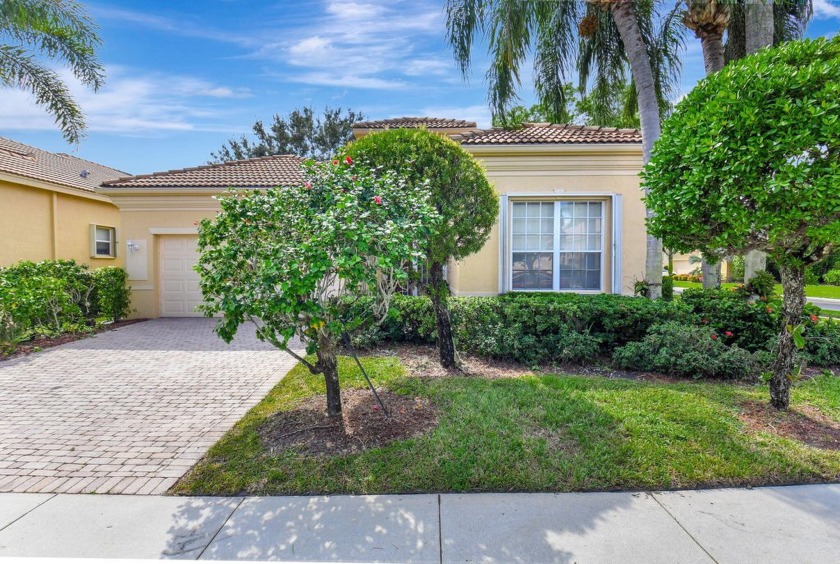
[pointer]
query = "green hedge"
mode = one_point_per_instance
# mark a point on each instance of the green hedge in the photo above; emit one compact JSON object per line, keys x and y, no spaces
{"x":58,"y":296}
{"x":536,"y":328}
{"x":689,"y":350}
{"x":533,"y":327}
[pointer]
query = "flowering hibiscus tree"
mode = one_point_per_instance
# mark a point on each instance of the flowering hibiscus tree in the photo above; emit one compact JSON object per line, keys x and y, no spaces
{"x":291,"y":260}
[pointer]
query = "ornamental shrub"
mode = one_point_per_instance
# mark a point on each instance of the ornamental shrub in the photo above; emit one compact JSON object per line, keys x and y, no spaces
{"x":832,"y":277}
{"x":822,"y":343}
{"x":112,"y":292}
{"x":689,"y":350}
{"x":762,"y":284}
{"x":750,"y":325}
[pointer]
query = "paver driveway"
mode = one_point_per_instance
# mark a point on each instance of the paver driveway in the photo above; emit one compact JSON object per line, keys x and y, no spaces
{"x":129,"y":411}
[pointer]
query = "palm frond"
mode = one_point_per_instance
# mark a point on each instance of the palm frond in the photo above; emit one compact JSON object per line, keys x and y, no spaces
{"x":60,"y":29}
{"x":18,"y":69}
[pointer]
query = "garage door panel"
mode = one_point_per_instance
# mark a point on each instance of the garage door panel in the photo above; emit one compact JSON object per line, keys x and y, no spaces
{"x":180,"y":292}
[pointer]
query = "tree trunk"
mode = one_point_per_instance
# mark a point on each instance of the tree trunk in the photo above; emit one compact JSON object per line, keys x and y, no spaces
{"x":712,"y":52}
{"x":758,"y":20}
{"x":439,"y":294}
{"x":711,"y":274}
{"x":793,"y":285}
{"x":759,"y":34}
{"x":328,"y":365}
{"x":754,"y":261}
{"x":624,"y":14}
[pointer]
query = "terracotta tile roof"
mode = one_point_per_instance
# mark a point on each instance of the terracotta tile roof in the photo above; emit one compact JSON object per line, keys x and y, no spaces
{"x":415,"y":122}
{"x":55,"y":168}
{"x":542,"y":133}
{"x":260,"y":172}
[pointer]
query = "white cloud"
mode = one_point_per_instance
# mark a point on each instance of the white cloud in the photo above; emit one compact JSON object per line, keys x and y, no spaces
{"x":130,"y":103}
{"x":354,"y":10}
{"x":374,"y":44}
{"x":826,"y":9}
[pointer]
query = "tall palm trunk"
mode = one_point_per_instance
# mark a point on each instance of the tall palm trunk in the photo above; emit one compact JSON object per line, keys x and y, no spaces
{"x":624,"y":14}
{"x":759,"y":34}
{"x":709,"y":20}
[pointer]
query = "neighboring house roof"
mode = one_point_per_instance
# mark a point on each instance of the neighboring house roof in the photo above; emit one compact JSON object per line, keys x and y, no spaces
{"x":55,"y":168}
{"x":260,"y":172}
{"x":415,"y":122}
{"x":542,"y":133}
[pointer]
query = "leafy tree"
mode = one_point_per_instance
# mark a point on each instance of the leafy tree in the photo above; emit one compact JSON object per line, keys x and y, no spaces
{"x":290,"y":260}
{"x":750,"y":160}
{"x":615,"y":108}
{"x":599,"y":40}
{"x":459,"y":191}
{"x":54,"y":29}
{"x":300,"y":133}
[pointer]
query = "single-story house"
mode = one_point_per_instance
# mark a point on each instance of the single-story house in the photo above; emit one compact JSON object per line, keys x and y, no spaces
{"x":51,"y":208}
{"x":571,"y":214}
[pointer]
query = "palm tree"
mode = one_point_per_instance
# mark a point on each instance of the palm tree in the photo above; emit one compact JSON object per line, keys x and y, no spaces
{"x":53,"y":29}
{"x":600,"y":39}
{"x":708,"y":19}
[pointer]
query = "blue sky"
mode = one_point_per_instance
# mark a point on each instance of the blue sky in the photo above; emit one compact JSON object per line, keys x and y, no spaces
{"x":185,"y":76}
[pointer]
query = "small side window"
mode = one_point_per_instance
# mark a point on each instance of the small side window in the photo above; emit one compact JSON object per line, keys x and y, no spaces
{"x":103,"y":241}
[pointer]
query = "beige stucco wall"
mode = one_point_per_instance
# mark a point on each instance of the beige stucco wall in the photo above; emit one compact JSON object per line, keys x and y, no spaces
{"x":148,"y":217}
{"x":40,"y":222}
{"x":591,"y":172}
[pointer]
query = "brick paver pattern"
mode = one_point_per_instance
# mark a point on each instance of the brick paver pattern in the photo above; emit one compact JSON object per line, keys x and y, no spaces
{"x":128,"y":411}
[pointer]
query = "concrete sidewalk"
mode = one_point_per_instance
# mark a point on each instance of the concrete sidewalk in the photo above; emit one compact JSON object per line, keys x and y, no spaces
{"x":779,"y":524}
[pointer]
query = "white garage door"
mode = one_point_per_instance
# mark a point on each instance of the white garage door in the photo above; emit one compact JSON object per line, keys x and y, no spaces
{"x":179,"y":290}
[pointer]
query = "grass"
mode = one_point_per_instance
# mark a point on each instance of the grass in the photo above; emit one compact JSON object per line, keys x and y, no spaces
{"x":548,"y":432}
{"x":812,"y":291}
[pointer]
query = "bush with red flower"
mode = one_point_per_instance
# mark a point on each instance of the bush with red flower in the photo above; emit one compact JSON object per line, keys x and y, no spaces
{"x":287,"y":259}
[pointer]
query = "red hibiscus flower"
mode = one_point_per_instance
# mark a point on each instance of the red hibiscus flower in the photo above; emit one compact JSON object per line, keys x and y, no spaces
{"x":308,"y":185}
{"x":714,"y":337}
{"x":335,"y":162}
{"x":729,"y":334}
{"x":814,"y":318}
{"x":348,"y":160}
{"x":378,"y":200}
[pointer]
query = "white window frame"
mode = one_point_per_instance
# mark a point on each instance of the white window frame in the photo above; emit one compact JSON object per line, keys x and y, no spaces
{"x":507,"y":264}
{"x":94,"y":240}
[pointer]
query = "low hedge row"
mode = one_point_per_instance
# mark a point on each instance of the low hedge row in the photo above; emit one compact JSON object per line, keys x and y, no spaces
{"x":536,"y":328}
{"x":58,"y":296}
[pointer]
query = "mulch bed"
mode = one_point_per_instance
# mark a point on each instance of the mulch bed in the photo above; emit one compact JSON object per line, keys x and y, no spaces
{"x":421,"y":361}
{"x":309,"y":430}
{"x":805,"y":424}
{"x":39,"y":343}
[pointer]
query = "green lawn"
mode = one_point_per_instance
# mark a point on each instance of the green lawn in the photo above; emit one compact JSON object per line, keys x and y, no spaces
{"x":533,"y":433}
{"x":814,"y":291}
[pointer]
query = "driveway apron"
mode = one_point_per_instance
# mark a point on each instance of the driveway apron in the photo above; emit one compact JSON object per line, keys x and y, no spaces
{"x":128,"y":411}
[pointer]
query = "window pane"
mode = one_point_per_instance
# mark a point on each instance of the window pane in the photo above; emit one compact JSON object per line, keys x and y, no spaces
{"x":103,"y":234}
{"x":519,"y":243}
{"x":533,"y":243}
{"x":594,"y":226}
{"x":581,"y":209}
{"x":580,"y":271}
{"x":532,"y":271}
{"x":548,"y":225}
{"x":519,"y":210}
{"x":519,"y":226}
{"x":595,"y":209}
{"x":534,"y":225}
{"x":547,"y":243}
{"x":103,"y":248}
{"x":594,"y":243}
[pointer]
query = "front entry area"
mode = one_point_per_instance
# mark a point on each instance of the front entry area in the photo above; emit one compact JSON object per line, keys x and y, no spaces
{"x":179,"y":290}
